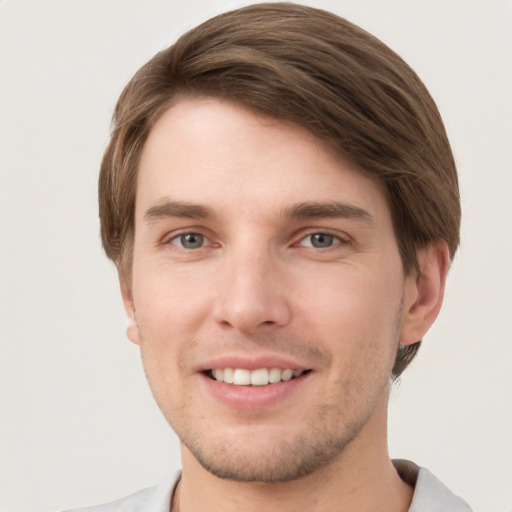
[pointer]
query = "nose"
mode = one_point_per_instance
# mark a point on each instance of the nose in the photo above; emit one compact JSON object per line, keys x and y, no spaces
{"x":251,"y":293}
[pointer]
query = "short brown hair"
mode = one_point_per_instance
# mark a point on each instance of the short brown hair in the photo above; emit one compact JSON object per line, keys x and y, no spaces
{"x":315,"y":69}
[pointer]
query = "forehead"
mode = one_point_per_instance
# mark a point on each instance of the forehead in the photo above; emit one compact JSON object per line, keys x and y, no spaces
{"x":213,"y":152}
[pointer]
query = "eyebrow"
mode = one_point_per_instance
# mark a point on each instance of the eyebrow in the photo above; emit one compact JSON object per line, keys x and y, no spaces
{"x":331,"y":209}
{"x":299,"y":211}
{"x":178,"y":209}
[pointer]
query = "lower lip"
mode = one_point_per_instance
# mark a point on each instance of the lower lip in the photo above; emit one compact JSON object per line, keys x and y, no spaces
{"x":253,"y":397}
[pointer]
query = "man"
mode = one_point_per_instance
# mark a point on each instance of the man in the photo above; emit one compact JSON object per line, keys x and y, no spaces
{"x":281,"y":202}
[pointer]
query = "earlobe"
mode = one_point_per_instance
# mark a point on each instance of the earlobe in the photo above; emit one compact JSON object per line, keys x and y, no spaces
{"x":132,"y":329}
{"x":424,"y":293}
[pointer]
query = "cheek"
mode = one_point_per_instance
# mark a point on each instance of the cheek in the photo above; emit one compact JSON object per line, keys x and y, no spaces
{"x":356,"y":313}
{"x":349,"y":296}
{"x":169,"y":316}
{"x":165,"y":324}
{"x":169,"y":303}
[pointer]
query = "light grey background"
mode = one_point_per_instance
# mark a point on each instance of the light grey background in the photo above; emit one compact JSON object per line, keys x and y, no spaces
{"x":78,"y":424}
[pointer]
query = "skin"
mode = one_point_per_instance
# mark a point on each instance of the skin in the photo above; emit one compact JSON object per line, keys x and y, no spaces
{"x":232,"y":262}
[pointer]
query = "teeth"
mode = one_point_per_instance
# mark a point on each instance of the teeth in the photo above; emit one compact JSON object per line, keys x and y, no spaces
{"x":287,"y":374}
{"x":260,"y":377}
{"x":228,"y":375}
{"x":274,"y":375}
{"x":241,"y":377}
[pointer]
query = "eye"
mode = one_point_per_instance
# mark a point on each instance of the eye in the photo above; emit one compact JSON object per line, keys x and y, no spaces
{"x":320,"y":240}
{"x":189,"y":240}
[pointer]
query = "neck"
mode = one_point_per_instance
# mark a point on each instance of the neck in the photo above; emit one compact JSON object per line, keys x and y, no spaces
{"x":362,"y":478}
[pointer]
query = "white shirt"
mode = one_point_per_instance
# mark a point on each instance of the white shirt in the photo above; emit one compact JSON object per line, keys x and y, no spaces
{"x":430,"y":495}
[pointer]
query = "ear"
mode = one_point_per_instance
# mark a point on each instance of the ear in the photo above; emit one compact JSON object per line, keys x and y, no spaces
{"x":424,"y":293}
{"x":132,"y":329}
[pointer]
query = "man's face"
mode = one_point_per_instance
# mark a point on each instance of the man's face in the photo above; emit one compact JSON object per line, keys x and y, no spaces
{"x":259,"y":255}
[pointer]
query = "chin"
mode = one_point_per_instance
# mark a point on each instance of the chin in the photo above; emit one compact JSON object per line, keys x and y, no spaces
{"x":272,"y":462}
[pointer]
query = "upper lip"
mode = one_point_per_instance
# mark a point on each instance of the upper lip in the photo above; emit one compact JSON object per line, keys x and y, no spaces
{"x":249,"y":362}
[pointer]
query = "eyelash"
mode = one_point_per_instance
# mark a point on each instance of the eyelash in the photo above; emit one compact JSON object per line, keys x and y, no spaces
{"x":185,"y":234}
{"x":336,"y":239}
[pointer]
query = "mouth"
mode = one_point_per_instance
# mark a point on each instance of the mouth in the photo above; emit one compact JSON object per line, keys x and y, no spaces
{"x":259,"y":377}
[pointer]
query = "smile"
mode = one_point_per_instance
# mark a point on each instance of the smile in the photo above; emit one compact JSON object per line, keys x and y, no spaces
{"x":259,"y":377}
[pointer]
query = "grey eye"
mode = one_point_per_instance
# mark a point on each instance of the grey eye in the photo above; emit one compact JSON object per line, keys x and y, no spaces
{"x":191,"y":241}
{"x":322,"y":240}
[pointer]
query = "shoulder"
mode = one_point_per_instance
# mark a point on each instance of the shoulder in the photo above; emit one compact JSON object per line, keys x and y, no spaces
{"x":430,"y":494}
{"x":151,"y":499}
